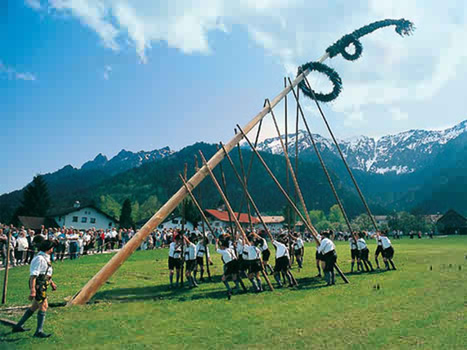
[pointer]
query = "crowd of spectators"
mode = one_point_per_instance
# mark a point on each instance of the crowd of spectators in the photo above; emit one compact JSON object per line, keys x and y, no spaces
{"x":72,"y":243}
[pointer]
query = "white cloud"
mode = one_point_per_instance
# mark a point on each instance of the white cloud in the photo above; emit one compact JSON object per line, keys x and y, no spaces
{"x":391,"y":72}
{"x":11,"y":73}
{"x":106,"y":73}
{"x":35,"y":4}
{"x":398,"y":115}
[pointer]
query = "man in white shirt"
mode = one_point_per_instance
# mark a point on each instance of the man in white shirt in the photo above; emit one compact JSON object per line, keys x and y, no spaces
{"x":299,"y":249}
{"x":190,"y":259}
{"x":327,"y":251}
{"x":202,"y":250}
{"x":40,"y":278}
{"x":353,"y":252}
{"x":175,"y":259}
{"x":253,"y":257}
{"x":230,"y":261}
{"x":363,"y":253}
{"x":388,"y":251}
{"x":282,"y":261}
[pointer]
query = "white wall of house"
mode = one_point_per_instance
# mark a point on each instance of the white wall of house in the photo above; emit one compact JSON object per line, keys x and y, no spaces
{"x":274,"y":228}
{"x":175,"y":223}
{"x":85,"y":218}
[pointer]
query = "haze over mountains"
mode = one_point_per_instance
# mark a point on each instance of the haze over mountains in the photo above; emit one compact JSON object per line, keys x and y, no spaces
{"x":418,"y":170}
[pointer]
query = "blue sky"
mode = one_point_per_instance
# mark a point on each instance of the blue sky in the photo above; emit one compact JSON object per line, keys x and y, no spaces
{"x":82,"y":77}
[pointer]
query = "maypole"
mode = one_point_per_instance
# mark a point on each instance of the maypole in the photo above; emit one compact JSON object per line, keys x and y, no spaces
{"x":403,"y":27}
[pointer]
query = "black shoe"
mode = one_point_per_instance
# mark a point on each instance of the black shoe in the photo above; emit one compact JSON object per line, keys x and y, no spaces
{"x":42,"y":335}
{"x":229,"y":295}
{"x":20,"y":329}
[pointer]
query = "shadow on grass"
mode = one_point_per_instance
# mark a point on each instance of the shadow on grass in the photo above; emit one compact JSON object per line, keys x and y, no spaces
{"x":207,"y":290}
{"x":163,"y":292}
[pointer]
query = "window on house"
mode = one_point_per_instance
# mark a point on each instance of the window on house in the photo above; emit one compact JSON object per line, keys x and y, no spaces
{"x":75,"y":219}
{"x":174,"y":221}
{"x":216,"y":224}
{"x":110,"y":224}
{"x":84,"y":219}
{"x":161,"y":226}
{"x":93,"y":220}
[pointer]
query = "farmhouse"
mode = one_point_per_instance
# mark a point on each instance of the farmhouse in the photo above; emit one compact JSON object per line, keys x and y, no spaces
{"x":84,"y":218}
{"x":274,"y":223}
{"x":220,"y":219}
{"x":175,"y":222}
{"x":452,"y":223}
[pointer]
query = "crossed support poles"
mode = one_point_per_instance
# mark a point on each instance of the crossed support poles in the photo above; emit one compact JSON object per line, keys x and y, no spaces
{"x":95,"y":283}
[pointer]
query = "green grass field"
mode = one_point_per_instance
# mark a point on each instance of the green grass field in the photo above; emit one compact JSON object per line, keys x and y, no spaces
{"x":416,"y":306}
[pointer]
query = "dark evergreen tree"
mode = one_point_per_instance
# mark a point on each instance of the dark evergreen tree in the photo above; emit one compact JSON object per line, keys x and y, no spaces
{"x":36,"y":199}
{"x":126,"y":220}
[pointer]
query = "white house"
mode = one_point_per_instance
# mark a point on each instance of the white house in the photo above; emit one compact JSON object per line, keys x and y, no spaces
{"x":220,"y":220}
{"x":174,"y":223}
{"x":274,"y":223}
{"x":84,"y":218}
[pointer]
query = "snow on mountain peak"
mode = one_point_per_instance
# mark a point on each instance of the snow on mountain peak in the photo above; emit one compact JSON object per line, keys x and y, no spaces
{"x":401,"y":153}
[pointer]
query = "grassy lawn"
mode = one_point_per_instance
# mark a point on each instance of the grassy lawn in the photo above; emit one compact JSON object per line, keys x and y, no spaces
{"x":416,"y":306}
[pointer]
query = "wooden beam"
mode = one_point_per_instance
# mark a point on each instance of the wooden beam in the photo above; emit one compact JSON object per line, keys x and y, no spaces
{"x":93,"y":285}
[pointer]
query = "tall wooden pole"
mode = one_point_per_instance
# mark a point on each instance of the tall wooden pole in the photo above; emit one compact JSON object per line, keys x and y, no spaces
{"x":308,"y":225}
{"x":93,"y":285}
{"x":229,"y":208}
{"x":323,"y":165}
{"x":362,"y":197}
{"x":250,"y":165}
{"x":185,"y":172}
{"x":289,"y":164}
{"x":202,"y":222}
{"x":7,"y":266}
{"x":296,"y":145}
{"x":205,"y":219}
{"x":242,"y":167}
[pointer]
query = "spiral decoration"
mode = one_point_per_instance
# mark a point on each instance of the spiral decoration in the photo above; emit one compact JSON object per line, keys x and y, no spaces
{"x":403,"y":27}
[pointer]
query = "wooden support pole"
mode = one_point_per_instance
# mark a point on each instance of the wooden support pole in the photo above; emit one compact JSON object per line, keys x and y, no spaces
{"x":250,"y":165}
{"x":309,"y":226}
{"x":224,"y":187}
{"x":289,"y":164}
{"x":202,"y":224}
{"x":229,"y":208}
{"x":321,"y":160}
{"x":7,"y":267}
{"x":250,"y":199}
{"x":296,"y":147}
{"x":93,"y":285}
{"x":242,"y":167}
{"x":205,"y":219}
{"x":362,"y":197}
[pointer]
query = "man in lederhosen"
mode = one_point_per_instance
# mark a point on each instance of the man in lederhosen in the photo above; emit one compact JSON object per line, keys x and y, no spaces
{"x":39,"y":280}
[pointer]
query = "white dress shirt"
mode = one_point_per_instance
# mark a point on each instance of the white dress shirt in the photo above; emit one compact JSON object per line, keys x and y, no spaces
{"x":326,"y":246}
{"x":281,"y":249}
{"x":40,"y":265}
{"x":361,"y":244}
{"x":385,"y":242}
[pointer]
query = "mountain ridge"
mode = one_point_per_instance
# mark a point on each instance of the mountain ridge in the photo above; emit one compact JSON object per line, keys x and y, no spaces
{"x":401,"y":153}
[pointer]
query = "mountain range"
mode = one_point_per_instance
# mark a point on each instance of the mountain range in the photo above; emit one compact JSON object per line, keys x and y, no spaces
{"x":403,"y":153}
{"x":418,"y":170}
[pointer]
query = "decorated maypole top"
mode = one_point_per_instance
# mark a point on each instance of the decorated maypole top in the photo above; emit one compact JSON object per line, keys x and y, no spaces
{"x":403,"y":27}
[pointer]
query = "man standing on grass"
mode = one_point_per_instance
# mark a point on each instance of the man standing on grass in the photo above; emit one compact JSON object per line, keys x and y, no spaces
{"x":39,"y":280}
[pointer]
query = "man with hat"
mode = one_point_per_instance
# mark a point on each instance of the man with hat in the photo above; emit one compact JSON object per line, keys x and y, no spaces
{"x":39,"y":280}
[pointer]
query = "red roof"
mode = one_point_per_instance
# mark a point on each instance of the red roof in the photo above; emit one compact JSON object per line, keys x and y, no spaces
{"x":224,"y":216}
